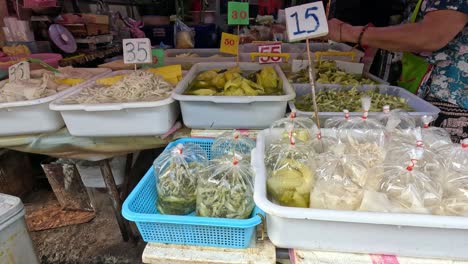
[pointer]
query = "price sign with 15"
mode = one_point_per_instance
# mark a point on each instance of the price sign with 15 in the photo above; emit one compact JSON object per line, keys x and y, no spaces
{"x":19,"y":71}
{"x":137,"y":50}
{"x":306,"y":21}
{"x":270,"y":48}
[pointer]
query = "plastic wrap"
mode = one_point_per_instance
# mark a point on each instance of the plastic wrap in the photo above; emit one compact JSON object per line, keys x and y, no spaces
{"x":225,"y":189}
{"x":409,"y":189}
{"x":337,"y":121}
{"x":406,"y":121}
{"x":456,"y":185}
{"x":290,"y":173}
{"x":434,"y":137}
{"x":185,"y":37}
{"x":232,"y":142}
{"x":340,"y":180}
{"x":177,"y":171}
{"x":304,"y":127}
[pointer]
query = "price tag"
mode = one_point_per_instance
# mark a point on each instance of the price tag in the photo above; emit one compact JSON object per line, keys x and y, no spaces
{"x":229,"y":43}
{"x":158,"y":57}
{"x":19,"y":71}
{"x":137,"y":51}
{"x":238,"y":13}
{"x":270,"y":48}
{"x":306,"y":21}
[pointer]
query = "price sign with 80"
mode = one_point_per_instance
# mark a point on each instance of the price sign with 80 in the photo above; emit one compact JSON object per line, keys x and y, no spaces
{"x":306,"y":21}
{"x":238,"y":13}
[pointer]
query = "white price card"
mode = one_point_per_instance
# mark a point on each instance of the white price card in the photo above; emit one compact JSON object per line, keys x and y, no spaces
{"x":270,"y":48}
{"x":306,"y":21}
{"x":137,"y":50}
{"x":19,"y":71}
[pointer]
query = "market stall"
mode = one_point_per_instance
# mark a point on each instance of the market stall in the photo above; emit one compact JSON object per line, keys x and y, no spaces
{"x":278,"y":146}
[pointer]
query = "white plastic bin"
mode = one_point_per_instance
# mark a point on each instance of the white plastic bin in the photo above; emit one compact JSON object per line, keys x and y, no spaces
{"x":203,"y":55}
{"x":117,"y":119}
{"x":34,"y":116}
{"x":15,"y":244}
{"x":227,"y":112}
{"x":413,"y":235}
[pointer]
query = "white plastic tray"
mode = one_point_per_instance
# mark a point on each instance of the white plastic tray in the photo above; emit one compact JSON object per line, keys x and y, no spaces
{"x":227,"y":112}
{"x":117,"y":119}
{"x":204,"y":56}
{"x":34,"y":116}
{"x":411,"y":235}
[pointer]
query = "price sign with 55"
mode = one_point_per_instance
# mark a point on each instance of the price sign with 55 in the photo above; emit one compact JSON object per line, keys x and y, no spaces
{"x":137,"y":51}
{"x":270,"y":48}
{"x":19,"y":71}
{"x":306,"y":21}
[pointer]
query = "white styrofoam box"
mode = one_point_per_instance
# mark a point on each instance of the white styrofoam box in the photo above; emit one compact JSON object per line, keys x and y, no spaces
{"x":34,"y":116}
{"x":413,"y":235}
{"x":15,"y":243}
{"x":227,"y":112}
{"x":91,"y":175}
{"x":117,"y":119}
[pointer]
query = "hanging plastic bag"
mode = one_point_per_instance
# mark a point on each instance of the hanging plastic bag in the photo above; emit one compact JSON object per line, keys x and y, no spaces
{"x":185,"y":36}
{"x":225,"y":189}
{"x":232,"y":142}
{"x":406,"y":121}
{"x":340,"y":179}
{"x":456,"y":180}
{"x":410,"y":189}
{"x":177,"y":171}
{"x":290,"y":177}
{"x":434,"y":137}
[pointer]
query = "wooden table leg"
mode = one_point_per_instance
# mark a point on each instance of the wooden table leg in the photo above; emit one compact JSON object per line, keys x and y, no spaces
{"x":113,"y":192}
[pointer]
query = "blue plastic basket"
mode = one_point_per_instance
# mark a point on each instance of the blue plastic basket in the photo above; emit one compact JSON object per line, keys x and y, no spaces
{"x":140,"y":207}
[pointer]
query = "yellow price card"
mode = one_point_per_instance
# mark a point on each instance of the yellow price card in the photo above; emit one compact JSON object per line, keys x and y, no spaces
{"x":229,"y":43}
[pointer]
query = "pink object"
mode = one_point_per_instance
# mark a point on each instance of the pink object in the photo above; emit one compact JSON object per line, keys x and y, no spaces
{"x":384,"y":259}
{"x":135,"y":26}
{"x":50,"y":58}
{"x":39,"y":3}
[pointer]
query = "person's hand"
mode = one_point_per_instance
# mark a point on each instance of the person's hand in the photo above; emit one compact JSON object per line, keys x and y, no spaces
{"x":334,"y":26}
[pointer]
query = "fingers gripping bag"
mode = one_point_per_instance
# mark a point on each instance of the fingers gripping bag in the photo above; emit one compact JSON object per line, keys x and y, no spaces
{"x":434,"y":137}
{"x":232,"y":142}
{"x":340,"y":179}
{"x":225,"y":189}
{"x":406,"y":121}
{"x":177,"y":171}
{"x":409,"y":189}
{"x":456,"y":184}
{"x":290,"y":174}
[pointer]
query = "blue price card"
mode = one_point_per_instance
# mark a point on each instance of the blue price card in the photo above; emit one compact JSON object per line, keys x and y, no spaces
{"x":306,"y":21}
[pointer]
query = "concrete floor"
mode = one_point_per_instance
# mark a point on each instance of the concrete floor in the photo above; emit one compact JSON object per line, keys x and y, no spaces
{"x":98,"y":241}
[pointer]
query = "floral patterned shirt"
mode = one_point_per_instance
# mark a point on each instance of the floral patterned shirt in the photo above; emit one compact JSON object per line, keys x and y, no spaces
{"x":449,"y":78}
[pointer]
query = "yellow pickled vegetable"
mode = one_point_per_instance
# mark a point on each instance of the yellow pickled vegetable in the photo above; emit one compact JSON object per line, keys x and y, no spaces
{"x":109,"y":81}
{"x":70,"y":81}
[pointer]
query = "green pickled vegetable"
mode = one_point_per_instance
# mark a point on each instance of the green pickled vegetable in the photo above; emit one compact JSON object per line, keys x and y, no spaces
{"x":232,"y":82}
{"x":335,"y":100}
{"x":328,"y":73}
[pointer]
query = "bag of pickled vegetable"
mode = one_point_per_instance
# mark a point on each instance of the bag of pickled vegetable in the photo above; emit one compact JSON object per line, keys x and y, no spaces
{"x":232,"y":142}
{"x":304,"y":127}
{"x":410,"y":189}
{"x":434,"y":137}
{"x":340,"y":179}
{"x":225,"y":189}
{"x":406,"y":121}
{"x":290,"y":173}
{"x":177,"y":171}
{"x":455,"y":201}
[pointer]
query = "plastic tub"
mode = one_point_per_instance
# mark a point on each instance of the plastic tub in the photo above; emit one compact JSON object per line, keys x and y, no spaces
{"x":420,"y":106}
{"x":140,"y":207}
{"x":414,"y":235}
{"x":204,"y":55}
{"x":34,"y":116}
{"x":117,"y":119}
{"x":226,"y":112}
{"x":15,"y":243}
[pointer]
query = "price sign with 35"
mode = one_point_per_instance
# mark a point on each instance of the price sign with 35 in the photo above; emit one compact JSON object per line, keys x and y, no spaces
{"x":306,"y":21}
{"x":19,"y":71}
{"x":137,"y":51}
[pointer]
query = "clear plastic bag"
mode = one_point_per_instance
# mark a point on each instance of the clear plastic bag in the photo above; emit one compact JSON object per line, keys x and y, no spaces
{"x":177,"y":171}
{"x":409,"y":189}
{"x":232,"y":142}
{"x":303,"y":128}
{"x":456,"y":156}
{"x":185,"y":36}
{"x":434,"y":137}
{"x":405,"y":120}
{"x":337,"y":121}
{"x":225,"y":189}
{"x":340,"y":180}
{"x":290,"y":173}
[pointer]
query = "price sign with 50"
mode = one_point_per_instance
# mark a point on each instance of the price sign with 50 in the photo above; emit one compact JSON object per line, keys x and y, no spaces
{"x":306,"y":21}
{"x":137,"y":51}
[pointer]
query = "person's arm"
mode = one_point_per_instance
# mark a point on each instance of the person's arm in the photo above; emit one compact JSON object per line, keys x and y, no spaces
{"x":434,"y":32}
